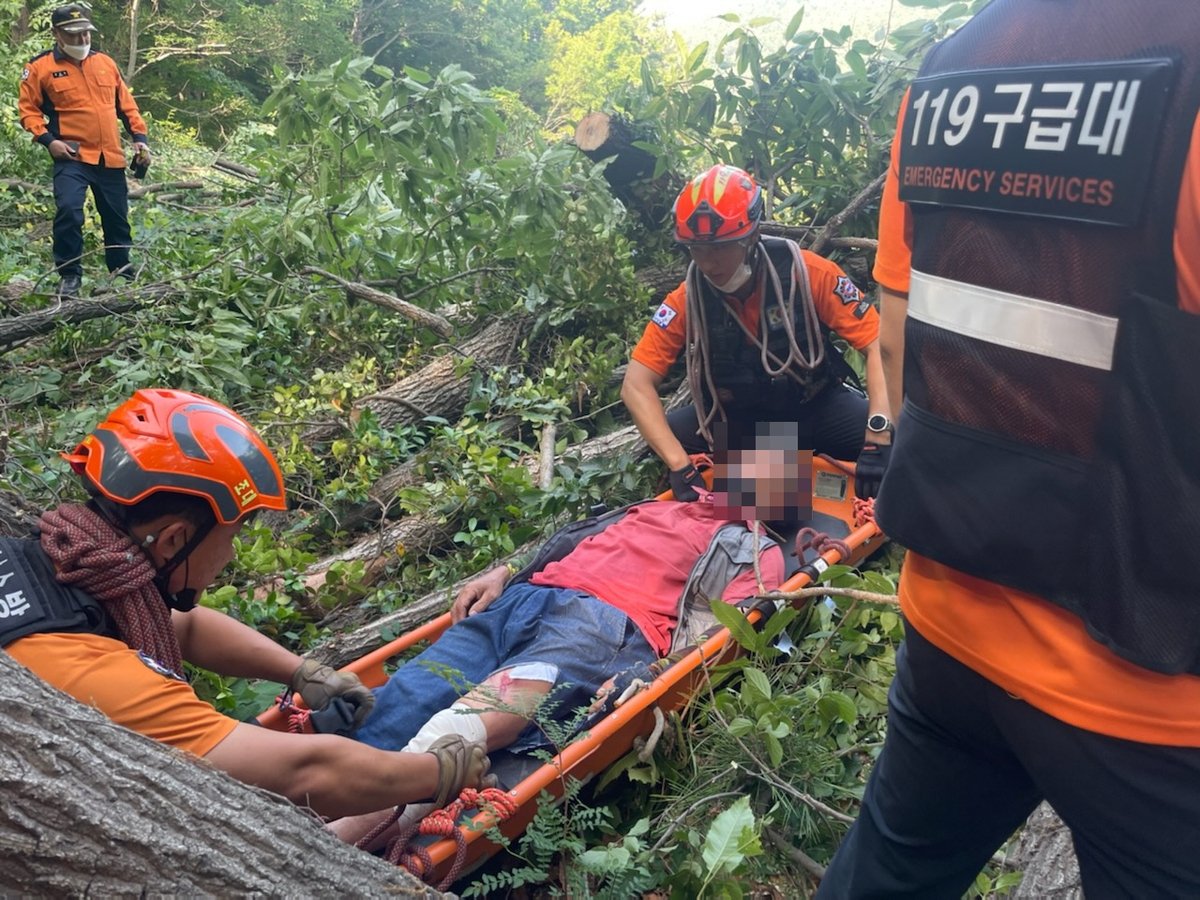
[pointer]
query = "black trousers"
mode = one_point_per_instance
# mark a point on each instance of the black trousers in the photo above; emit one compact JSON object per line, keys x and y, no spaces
{"x":71,"y":182}
{"x":965,"y":763}
{"x":833,"y":422}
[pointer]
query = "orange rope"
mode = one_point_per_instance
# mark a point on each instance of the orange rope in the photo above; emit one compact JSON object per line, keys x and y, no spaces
{"x":443,"y":823}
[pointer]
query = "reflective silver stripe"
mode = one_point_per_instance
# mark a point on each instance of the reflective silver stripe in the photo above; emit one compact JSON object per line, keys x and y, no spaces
{"x":1010,"y":320}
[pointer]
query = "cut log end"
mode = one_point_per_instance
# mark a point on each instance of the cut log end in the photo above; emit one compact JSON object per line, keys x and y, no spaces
{"x":593,"y":131}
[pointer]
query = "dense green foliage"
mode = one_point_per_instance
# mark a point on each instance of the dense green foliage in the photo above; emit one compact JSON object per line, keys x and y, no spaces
{"x":413,"y":148}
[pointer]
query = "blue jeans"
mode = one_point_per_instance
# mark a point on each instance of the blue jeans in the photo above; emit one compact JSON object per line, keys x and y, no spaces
{"x":965,"y":763}
{"x":585,"y":638}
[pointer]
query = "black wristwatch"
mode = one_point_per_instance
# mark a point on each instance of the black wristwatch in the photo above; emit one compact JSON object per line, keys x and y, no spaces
{"x":878,"y":423}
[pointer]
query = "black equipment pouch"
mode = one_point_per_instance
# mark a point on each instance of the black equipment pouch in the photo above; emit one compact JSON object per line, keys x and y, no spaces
{"x":1133,"y":582}
{"x":33,"y":602}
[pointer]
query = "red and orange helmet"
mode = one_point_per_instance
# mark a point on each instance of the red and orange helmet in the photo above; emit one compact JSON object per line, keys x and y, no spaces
{"x":166,"y":440}
{"x":722,"y":204}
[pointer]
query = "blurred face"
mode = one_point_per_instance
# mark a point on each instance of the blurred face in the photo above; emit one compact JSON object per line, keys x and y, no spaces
{"x":718,"y":262}
{"x":772,"y":485}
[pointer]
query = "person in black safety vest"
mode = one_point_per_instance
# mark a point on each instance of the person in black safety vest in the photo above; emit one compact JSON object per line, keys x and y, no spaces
{"x":753,"y":319}
{"x":1040,"y":255}
{"x":101,"y":604}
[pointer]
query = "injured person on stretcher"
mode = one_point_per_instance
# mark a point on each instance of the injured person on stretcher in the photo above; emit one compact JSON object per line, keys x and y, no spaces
{"x":601,"y":597}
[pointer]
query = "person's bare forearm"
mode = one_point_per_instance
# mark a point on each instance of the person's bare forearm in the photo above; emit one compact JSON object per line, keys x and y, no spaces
{"x":221,"y":644}
{"x":639,"y":392}
{"x":332,"y":775}
{"x":877,"y":394}
{"x":893,"y":310}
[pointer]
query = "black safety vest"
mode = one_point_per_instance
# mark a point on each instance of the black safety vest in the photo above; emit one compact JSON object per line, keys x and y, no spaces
{"x":736,"y":365}
{"x":33,"y":602}
{"x":1050,"y":439}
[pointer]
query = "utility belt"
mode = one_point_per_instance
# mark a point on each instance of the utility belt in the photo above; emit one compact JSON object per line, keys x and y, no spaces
{"x":33,"y":602}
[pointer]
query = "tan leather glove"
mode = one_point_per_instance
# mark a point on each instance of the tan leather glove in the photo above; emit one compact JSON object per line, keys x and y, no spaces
{"x":461,"y":764}
{"x":318,"y":684}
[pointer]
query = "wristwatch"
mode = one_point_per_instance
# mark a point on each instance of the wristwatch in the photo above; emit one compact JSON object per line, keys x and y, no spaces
{"x":878,"y":423}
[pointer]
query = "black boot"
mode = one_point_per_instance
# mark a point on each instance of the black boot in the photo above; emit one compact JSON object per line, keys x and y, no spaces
{"x":70,"y":287}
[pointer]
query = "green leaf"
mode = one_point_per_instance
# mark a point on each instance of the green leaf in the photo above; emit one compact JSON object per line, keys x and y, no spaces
{"x":759,"y":681}
{"x":837,"y":706}
{"x":731,"y":617}
{"x":730,"y":839}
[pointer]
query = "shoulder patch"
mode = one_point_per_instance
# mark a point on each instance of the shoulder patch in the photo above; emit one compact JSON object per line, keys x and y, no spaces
{"x":25,"y":74}
{"x":663,"y":316}
{"x":861,"y":309}
{"x":847,"y":290}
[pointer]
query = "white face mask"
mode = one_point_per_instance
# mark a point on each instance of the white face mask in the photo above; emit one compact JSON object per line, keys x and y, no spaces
{"x":739,"y":277}
{"x":77,"y":51}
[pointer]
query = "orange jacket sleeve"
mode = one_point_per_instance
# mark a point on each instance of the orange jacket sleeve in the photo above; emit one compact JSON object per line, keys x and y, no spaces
{"x":665,"y":334}
{"x":839,"y":302}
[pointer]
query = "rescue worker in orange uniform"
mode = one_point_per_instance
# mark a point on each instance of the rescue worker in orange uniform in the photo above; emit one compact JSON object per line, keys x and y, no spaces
{"x":1040,"y":252}
{"x":753,"y":320}
{"x":70,"y":99}
{"x":102,"y":605}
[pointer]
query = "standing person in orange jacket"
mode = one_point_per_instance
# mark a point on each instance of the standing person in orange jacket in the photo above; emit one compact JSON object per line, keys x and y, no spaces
{"x":70,"y":99}
{"x":1040,"y":258}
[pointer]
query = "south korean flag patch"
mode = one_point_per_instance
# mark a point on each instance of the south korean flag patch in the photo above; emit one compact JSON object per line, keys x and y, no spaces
{"x":846,"y":289}
{"x":663,"y":316}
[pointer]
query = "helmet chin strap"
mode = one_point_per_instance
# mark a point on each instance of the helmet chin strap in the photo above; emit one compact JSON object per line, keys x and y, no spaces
{"x":185,"y":599}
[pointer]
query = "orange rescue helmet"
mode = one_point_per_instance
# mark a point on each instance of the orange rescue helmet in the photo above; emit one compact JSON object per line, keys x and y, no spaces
{"x":166,"y":440}
{"x":722,"y":204}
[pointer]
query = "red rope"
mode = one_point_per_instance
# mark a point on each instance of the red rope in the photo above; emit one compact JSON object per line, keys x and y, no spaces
{"x":820,"y":542}
{"x":443,"y":823}
{"x":864,"y":511}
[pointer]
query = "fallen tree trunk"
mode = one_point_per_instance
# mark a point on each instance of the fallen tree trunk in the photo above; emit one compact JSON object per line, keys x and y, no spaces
{"x":630,"y":172}
{"x":18,"y":328}
{"x":92,"y":809}
{"x":438,"y":388}
{"x":1045,"y":853}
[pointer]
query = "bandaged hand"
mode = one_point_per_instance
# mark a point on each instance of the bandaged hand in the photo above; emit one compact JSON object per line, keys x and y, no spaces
{"x":461,"y":764}
{"x":318,"y":684}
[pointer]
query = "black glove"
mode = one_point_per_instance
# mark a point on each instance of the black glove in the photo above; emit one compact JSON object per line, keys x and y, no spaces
{"x":684,"y":483}
{"x":868,"y":472}
{"x":319,"y":684}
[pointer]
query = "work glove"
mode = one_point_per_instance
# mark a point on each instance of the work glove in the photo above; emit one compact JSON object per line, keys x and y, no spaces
{"x":684,"y":483}
{"x":141,"y":161}
{"x":319,"y":684}
{"x":868,"y":471}
{"x":461,"y":764}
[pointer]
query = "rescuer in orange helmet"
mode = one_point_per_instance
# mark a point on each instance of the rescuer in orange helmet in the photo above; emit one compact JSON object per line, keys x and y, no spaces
{"x":753,"y":320}
{"x":101,"y":604}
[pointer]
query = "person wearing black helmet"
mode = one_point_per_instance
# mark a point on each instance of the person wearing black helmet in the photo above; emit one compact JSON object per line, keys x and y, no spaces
{"x":753,"y":320}
{"x":70,"y":100}
{"x":101,"y":604}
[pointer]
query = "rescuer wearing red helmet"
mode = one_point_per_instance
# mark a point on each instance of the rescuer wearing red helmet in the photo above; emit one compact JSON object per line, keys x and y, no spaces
{"x":101,"y":604}
{"x":753,"y":319}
